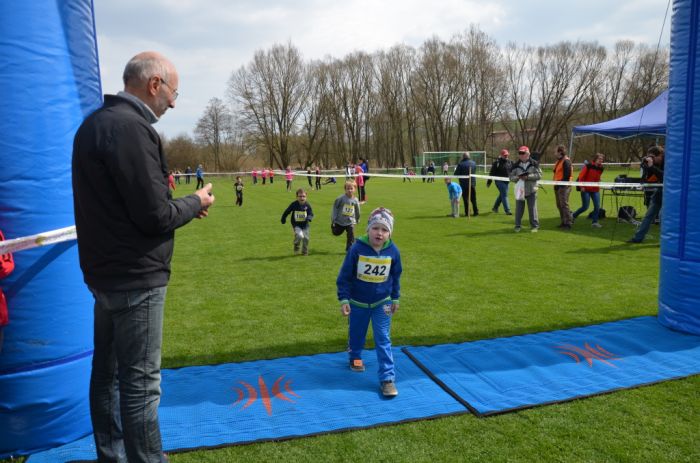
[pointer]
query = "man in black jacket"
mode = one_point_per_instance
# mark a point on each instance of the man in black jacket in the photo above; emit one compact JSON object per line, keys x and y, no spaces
{"x":501,"y":168}
{"x":465,"y":168}
{"x":126,"y":219}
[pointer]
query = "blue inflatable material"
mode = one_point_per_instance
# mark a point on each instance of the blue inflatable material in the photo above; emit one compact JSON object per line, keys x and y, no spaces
{"x":50,"y":81}
{"x":679,"y":300}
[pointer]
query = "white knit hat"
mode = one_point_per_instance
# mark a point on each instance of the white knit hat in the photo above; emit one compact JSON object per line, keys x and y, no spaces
{"x":381,"y":216}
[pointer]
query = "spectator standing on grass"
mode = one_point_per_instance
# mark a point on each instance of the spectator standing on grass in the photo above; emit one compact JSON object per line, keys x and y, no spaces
{"x":445,"y":168}
{"x":308,"y":177}
{"x":7,"y":265}
{"x":454,"y":192}
{"x":368,"y":290}
{"x":200,"y":177}
{"x":188,"y":175}
{"x":525,"y":173}
{"x":301,"y":220}
{"x":431,"y":172}
{"x":263,"y":174}
{"x":424,"y":172}
{"x":590,"y":172}
{"x":271,"y":174}
{"x":501,"y":167}
{"x":405,"y":174}
{"x":345,"y":214}
{"x":466,"y":168}
{"x":653,"y":167}
{"x":254,"y":174}
{"x":125,"y":252}
{"x":563,"y":173}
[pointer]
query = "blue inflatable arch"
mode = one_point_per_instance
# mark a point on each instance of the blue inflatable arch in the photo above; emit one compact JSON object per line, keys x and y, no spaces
{"x":50,"y":82}
{"x":679,"y":297}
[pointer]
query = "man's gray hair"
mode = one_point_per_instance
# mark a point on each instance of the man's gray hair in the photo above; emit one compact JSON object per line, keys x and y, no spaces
{"x":466,"y":156}
{"x":141,"y":68}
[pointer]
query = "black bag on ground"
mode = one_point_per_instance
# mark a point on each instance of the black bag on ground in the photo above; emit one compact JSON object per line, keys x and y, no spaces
{"x":601,"y":214}
{"x":627,"y":213}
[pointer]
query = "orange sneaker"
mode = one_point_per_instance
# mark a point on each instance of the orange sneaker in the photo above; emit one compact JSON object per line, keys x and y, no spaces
{"x":357,"y":365}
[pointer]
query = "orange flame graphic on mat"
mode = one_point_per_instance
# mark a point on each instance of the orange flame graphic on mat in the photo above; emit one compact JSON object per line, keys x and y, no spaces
{"x":588,"y":353}
{"x":266,"y":395}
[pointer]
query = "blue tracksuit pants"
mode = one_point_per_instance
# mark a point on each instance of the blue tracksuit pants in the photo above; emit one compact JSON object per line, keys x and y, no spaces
{"x":381,"y":324}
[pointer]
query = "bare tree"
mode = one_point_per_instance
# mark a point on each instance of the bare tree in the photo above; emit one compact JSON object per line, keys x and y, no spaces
{"x":214,"y":130}
{"x":271,"y":92}
{"x":181,"y":152}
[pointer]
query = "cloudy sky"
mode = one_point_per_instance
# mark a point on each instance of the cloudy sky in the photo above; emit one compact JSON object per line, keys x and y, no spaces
{"x":209,"y":39}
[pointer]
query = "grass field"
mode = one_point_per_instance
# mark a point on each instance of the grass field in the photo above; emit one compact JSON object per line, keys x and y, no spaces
{"x":238,"y":293}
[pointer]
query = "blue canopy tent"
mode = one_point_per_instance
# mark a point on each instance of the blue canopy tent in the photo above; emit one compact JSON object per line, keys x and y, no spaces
{"x":649,"y":120}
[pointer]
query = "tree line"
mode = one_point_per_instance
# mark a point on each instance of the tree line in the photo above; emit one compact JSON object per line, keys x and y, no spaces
{"x":467,"y":93}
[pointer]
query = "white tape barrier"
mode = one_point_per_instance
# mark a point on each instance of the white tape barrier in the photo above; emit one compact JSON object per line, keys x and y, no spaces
{"x":41,"y":239}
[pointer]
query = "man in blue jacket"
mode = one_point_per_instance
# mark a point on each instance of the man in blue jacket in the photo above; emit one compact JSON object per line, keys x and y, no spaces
{"x":126,"y":219}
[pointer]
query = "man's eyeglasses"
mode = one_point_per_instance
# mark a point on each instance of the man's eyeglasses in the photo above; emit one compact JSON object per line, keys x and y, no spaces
{"x":175,"y":94}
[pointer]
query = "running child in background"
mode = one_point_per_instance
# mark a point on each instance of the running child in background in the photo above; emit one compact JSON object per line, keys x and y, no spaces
{"x":7,"y":265}
{"x":301,"y":218}
{"x":360,"y":181}
{"x":368,"y":290}
{"x":289,"y":176}
{"x":238,"y":188}
{"x":308,"y":177}
{"x":454,"y":191}
{"x":318,"y":177}
{"x":345,"y":214}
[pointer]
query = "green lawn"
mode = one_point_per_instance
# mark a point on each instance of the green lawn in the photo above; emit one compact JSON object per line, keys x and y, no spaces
{"x":238,"y":293}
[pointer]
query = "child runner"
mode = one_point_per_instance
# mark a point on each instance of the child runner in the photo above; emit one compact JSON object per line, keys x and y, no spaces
{"x":301,"y":218}
{"x":455,"y":192}
{"x":345,"y":214}
{"x":289,"y":176}
{"x":318,"y":177}
{"x":238,"y":187}
{"x":309,"y":178}
{"x":360,"y":181}
{"x":368,"y":289}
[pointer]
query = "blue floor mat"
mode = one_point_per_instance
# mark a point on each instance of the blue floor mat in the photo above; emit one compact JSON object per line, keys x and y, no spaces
{"x":506,"y":374}
{"x":220,"y":405}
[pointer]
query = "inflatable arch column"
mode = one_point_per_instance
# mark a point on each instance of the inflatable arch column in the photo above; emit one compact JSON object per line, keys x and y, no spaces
{"x":49,"y":81}
{"x":679,"y":297}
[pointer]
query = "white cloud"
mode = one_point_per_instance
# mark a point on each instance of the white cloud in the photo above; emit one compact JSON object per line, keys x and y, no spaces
{"x":209,"y":39}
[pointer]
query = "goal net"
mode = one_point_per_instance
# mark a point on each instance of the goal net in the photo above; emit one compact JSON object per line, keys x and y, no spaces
{"x":451,"y":157}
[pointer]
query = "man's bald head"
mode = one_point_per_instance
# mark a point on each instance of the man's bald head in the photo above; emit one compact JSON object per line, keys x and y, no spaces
{"x":152,"y":78}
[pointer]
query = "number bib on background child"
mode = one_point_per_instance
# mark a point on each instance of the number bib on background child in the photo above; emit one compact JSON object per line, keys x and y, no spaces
{"x":373,"y":269}
{"x":299,"y":216}
{"x":348,"y":210}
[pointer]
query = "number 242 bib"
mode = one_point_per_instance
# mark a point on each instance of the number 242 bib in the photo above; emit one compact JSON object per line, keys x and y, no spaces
{"x":373,"y":269}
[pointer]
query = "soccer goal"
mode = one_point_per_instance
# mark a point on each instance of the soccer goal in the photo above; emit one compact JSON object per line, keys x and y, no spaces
{"x":451,"y":157}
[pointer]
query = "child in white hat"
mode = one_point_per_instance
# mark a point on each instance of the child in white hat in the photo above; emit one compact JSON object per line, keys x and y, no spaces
{"x":368,"y":290}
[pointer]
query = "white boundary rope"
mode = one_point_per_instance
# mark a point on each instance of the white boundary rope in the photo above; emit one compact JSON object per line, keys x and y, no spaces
{"x":41,"y":239}
{"x":69,"y":233}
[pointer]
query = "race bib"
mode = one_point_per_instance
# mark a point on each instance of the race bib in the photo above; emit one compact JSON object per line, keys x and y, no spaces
{"x":373,"y":269}
{"x":348,"y":210}
{"x":299,"y":216}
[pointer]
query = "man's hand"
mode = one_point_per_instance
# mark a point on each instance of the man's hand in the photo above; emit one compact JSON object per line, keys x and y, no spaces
{"x":206,"y":199}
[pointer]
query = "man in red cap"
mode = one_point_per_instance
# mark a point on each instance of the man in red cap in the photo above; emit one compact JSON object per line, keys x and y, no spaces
{"x":526,"y":172}
{"x":501,"y":167}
